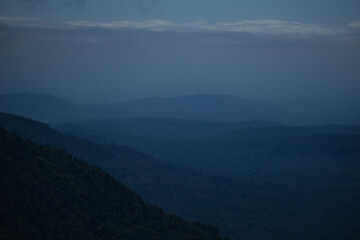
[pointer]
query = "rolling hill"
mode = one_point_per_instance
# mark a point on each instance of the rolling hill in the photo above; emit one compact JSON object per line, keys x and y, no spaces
{"x":238,"y":150}
{"x":46,"y":194}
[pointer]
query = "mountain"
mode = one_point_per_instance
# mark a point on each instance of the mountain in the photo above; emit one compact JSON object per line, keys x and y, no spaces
{"x":238,"y":150}
{"x":46,"y":194}
{"x":46,"y":108}
{"x":198,"y":107}
{"x":163,"y":184}
{"x":156,"y":129}
{"x":163,"y":128}
{"x":319,"y":189}
{"x":203,"y":107}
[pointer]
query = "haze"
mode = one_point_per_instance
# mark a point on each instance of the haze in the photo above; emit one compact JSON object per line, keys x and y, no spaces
{"x":100,"y":51}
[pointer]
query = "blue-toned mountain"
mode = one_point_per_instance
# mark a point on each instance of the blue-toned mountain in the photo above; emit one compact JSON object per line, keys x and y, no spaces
{"x":204,"y":107}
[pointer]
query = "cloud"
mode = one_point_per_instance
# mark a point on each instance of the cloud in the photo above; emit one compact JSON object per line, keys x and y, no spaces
{"x":154,"y":24}
{"x":264,"y":27}
{"x":279,"y":27}
{"x":354,"y":24}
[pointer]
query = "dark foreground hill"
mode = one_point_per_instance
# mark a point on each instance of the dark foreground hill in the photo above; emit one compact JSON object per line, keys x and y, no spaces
{"x":46,"y":194}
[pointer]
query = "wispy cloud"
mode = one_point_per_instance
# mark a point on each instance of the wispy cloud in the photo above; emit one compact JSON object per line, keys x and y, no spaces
{"x":154,"y":24}
{"x":267,"y":27}
{"x":271,"y":26}
{"x":355,"y":24}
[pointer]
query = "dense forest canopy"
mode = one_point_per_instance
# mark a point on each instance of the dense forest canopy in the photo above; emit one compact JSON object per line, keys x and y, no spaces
{"x":47,"y":194}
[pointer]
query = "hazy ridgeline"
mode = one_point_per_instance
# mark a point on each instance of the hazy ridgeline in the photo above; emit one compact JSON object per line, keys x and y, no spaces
{"x":240,"y":150}
{"x":201,"y":107}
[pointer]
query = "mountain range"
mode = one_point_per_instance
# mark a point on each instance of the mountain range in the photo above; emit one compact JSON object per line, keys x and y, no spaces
{"x":205,"y":107}
{"x":241,"y":150}
{"x":281,"y":178}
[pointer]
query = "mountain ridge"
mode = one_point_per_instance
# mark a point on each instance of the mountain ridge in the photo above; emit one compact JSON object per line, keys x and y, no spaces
{"x":202,"y":107}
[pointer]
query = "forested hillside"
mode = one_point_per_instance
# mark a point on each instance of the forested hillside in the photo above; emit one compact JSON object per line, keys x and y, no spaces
{"x":249,"y":205}
{"x":46,"y":194}
{"x":260,"y":151}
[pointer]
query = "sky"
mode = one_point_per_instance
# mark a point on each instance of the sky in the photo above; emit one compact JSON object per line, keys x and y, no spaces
{"x":115,"y":50}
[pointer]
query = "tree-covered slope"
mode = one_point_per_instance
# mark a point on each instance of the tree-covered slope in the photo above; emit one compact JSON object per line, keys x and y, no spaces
{"x":320,"y":163}
{"x":188,"y":193}
{"x":46,"y":194}
{"x":256,"y":150}
{"x":243,"y":209}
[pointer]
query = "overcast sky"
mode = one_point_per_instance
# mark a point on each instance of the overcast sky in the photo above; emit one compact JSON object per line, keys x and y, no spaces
{"x":111,"y":50}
